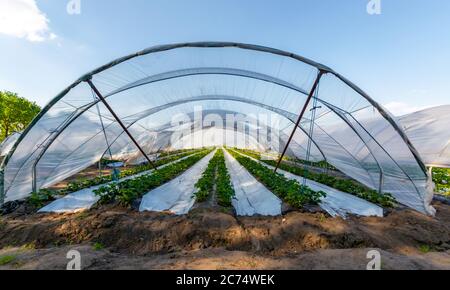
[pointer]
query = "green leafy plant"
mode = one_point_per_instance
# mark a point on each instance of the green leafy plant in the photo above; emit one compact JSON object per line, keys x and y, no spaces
{"x":441,"y":177}
{"x":206,"y":183}
{"x":128,"y":190}
{"x":424,"y":248}
{"x":291,"y":191}
{"x":38,"y":199}
{"x":224,"y":188}
{"x":98,"y":246}
{"x":16,"y":113}
{"x":345,"y":185}
{"x":86,"y":183}
{"x":4,"y":260}
{"x":216,"y":174}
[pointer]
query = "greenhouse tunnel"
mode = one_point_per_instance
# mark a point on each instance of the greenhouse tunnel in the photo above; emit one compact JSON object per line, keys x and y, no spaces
{"x":126,"y":110}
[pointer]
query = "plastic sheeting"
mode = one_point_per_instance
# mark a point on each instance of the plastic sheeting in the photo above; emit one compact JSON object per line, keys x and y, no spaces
{"x":429,"y":131}
{"x":176,"y":196}
{"x":251,"y":197}
{"x":147,"y":89}
{"x":84,"y":199}
{"x":336,"y":203}
{"x":8,"y":143}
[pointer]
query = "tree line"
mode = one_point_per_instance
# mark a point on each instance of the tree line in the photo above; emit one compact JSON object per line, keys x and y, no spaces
{"x":16,"y":113}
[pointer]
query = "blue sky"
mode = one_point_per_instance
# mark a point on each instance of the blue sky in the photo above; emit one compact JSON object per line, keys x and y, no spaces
{"x":399,"y":57}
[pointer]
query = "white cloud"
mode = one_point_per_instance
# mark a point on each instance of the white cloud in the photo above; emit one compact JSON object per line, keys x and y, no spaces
{"x":400,"y":109}
{"x":23,"y":19}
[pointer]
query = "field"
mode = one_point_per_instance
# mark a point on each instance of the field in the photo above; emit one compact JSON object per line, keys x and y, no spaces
{"x":115,"y":234}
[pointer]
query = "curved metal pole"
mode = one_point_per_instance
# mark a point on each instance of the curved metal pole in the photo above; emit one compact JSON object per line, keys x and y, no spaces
{"x":161,"y":77}
{"x":275,"y":110}
{"x":161,"y":48}
{"x":308,"y":100}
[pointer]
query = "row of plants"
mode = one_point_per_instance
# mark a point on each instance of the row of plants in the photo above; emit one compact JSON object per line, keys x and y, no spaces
{"x":345,"y":185}
{"x":216,"y":174}
{"x":441,"y":177}
{"x":291,"y":191}
{"x":224,"y":189}
{"x":320,"y":164}
{"x":86,"y":183}
{"x":205,"y":185}
{"x":39,"y":199}
{"x":168,"y":153}
{"x":126,"y":191}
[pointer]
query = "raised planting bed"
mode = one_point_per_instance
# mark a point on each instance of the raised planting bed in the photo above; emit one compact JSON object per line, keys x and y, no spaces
{"x":345,"y":185}
{"x":38,"y":199}
{"x":216,"y":174}
{"x":86,"y":183}
{"x":126,"y":191}
{"x":290,"y":191}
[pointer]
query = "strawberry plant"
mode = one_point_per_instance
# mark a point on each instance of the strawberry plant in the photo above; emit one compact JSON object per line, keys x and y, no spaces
{"x":126,"y":191}
{"x":38,"y":199}
{"x":205,"y":184}
{"x":224,"y":189}
{"x":86,"y":183}
{"x":216,"y":174}
{"x":345,"y":185}
{"x":291,"y":191}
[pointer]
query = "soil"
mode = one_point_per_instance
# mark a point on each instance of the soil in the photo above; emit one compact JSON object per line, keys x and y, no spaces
{"x":215,"y":239}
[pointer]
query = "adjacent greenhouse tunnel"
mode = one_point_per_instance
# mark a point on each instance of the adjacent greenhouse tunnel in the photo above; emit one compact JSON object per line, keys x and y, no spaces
{"x":126,"y":109}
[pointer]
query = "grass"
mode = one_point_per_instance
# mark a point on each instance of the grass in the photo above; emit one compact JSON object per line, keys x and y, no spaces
{"x":98,"y":246}
{"x":4,"y":260}
{"x":28,"y":247}
{"x":424,"y":249}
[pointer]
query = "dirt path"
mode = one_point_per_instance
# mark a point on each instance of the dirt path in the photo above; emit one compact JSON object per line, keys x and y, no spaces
{"x":220,"y":259}
{"x":210,"y":239}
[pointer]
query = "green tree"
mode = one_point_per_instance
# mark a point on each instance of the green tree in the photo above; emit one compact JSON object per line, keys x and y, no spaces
{"x":15,"y":113}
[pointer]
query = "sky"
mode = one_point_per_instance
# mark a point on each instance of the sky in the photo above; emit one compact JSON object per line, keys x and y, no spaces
{"x":400,"y":57}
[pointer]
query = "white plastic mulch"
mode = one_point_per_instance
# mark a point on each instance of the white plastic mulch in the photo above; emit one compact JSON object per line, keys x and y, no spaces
{"x":336,"y":203}
{"x":84,"y":199}
{"x":251,"y":197}
{"x":176,"y":196}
